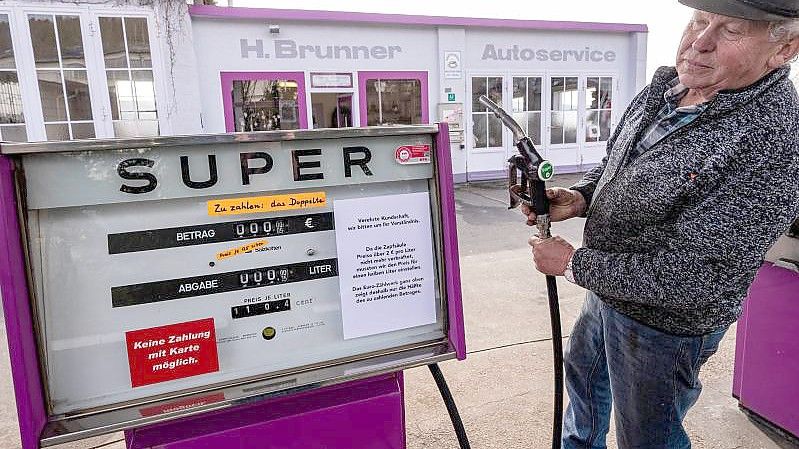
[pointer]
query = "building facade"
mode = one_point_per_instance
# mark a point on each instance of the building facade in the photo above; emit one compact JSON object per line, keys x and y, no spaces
{"x":120,"y":69}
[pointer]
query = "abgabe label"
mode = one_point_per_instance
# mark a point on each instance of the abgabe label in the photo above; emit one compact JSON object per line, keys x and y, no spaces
{"x":175,"y":351}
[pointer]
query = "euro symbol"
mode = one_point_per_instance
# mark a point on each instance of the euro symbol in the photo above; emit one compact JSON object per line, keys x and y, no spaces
{"x":309,"y":223}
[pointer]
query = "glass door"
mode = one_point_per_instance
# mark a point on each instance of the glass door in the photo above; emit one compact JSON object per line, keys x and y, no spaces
{"x":344,"y":111}
{"x":486,"y":129}
{"x":599,"y":108}
{"x":331,"y":110}
{"x":599,"y":118}
{"x":527,"y":102}
{"x":563,"y":120}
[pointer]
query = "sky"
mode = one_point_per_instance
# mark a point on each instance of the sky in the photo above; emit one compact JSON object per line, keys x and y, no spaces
{"x":666,"y":19}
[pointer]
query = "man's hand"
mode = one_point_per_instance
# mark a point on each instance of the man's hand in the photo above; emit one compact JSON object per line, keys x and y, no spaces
{"x":563,"y":204}
{"x":551,"y":255}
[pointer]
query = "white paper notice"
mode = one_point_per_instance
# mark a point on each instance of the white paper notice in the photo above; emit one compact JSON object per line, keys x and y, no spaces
{"x":385,"y":261}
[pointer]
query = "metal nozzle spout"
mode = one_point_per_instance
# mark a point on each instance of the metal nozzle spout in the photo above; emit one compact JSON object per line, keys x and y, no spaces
{"x":504,"y":117}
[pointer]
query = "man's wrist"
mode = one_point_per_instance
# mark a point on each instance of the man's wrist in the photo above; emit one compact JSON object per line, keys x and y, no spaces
{"x":568,"y":273}
{"x":581,"y":200}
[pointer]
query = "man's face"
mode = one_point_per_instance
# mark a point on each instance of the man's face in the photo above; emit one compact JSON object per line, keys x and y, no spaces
{"x":720,"y":52}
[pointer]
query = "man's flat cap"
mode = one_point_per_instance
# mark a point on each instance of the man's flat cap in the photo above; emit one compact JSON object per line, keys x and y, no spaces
{"x":749,"y":9}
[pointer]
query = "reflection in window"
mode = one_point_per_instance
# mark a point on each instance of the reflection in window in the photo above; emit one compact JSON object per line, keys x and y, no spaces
{"x":599,"y":106}
{"x":129,"y":74}
{"x":563,"y":129}
{"x":393,"y":102}
{"x":265,"y":105}
{"x":62,"y":77}
{"x":12,"y":121}
{"x":527,"y":105}
{"x":486,"y":128}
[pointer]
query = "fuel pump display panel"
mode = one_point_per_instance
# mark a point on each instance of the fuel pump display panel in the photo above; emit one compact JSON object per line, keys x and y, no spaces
{"x":195,"y":283}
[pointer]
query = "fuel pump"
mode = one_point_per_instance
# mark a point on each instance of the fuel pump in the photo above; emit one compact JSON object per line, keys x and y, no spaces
{"x":225,"y":290}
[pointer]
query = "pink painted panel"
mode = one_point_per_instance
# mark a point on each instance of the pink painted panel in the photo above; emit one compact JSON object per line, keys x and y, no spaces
{"x":365,"y":413}
{"x":457,"y":334}
{"x":403,"y":19}
{"x":768,"y":366}
{"x":20,"y":330}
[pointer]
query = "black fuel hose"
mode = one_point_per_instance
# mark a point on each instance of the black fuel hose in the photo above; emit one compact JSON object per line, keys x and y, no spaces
{"x":454,"y":416}
{"x":535,"y":172}
{"x":557,"y":360}
{"x":557,"y":356}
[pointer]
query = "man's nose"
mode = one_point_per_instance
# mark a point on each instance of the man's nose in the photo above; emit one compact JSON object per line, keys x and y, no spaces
{"x":705,"y":41}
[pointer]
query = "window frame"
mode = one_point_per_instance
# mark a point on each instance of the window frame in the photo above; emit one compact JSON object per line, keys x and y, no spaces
{"x":227,"y":79}
{"x":100,"y":58}
{"x":366,"y":75}
{"x":157,"y":58}
{"x":95,"y":64}
{"x":86,"y":42}
{"x":579,"y":110}
{"x":541,"y":112}
{"x":22,"y":80}
{"x":506,"y":140}
{"x":614,"y":89}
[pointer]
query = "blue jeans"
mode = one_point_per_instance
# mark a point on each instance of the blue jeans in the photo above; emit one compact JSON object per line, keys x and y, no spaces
{"x":651,"y":379}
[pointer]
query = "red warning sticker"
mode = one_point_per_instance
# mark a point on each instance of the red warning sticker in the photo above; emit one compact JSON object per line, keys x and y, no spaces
{"x":172,"y":352}
{"x":413,"y":154}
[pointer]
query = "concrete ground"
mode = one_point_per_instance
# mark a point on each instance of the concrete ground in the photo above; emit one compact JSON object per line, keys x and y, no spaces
{"x":504,"y":388}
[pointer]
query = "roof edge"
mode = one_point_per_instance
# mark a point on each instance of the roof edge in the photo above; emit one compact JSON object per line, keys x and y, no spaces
{"x":220,"y":12}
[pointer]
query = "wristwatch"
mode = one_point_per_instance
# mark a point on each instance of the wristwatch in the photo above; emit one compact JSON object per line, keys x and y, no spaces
{"x":568,"y":273}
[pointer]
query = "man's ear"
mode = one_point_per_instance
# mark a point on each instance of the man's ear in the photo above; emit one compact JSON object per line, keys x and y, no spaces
{"x":787,"y":52}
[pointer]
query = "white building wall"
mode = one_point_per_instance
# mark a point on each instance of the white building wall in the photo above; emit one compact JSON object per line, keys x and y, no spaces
{"x":638,"y":53}
{"x":453,"y":40}
{"x":179,"y":65}
{"x":219,"y":49}
{"x":247,"y":45}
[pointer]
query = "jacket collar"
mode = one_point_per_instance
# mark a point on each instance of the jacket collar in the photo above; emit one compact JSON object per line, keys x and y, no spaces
{"x":725,"y":101}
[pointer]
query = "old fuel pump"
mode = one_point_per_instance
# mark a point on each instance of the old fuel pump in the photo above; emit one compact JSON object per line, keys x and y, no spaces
{"x":206,"y":291}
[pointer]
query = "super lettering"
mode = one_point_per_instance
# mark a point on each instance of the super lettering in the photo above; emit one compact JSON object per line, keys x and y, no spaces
{"x":306,"y":165}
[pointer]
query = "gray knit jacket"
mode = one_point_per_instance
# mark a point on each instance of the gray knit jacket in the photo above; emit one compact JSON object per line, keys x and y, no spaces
{"x":674,"y":238}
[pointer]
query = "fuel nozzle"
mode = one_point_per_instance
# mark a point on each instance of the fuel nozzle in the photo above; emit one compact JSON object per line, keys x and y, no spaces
{"x":530,"y":190}
{"x":527,"y":171}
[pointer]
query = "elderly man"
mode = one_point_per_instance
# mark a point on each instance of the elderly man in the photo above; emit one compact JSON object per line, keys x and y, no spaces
{"x":700,"y":179}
